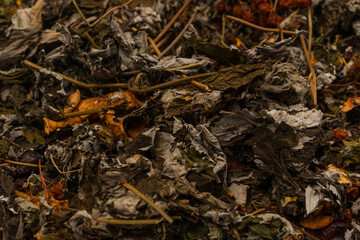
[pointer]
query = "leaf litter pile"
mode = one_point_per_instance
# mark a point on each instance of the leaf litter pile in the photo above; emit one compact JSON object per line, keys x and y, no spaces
{"x":179,"y":119}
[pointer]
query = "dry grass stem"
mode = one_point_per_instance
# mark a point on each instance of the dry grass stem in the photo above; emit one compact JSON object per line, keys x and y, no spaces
{"x":223,"y":31}
{"x":172,"y":44}
{"x":79,"y":83}
{"x":11,"y":142}
{"x":91,"y":40}
{"x":153,"y":44}
{"x":61,"y":172}
{"x":81,"y":113}
{"x":129,"y":221}
{"x":310,"y":28}
{"x":80,"y":12}
{"x":164,"y":231}
{"x":21,"y":163}
{"x":236,"y":234}
{"x":258,"y":211}
{"x":258,"y":27}
{"x":146,"y":199}
{"x":172,"y":21}
{"x":313,"y":75}
{"x":172,"y":83}
{"x":304,"y":232}
{"x":108,"y":12}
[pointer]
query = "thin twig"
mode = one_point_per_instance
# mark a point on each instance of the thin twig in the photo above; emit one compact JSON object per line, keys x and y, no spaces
{"x":121,"y":22}
{"x":4,"y":164}
{"x":128,"y":221}
{"x":258,"y":27}
{"x":21,"y":163}
{"x":258,"y":211}
{"x":129,"y":73}
{"x":223,"y":30}
{"x":81,"y":113}
{"x":172,"y":21}
{"x":61,"y":172}
{"x":82,"y":84}
{"x":310,"y":28}
{"x":164,"y":231}
{"x":313,"y":75}
{"x":11,"y":142}
{"x":304,"y":232}
{"x":80,"y":12}
{"x":123,"y":85}
{"x":236,"y":234}
{"x":161,"y":42}
{"x":91,"y":40}
{"x":43,"y":181}
{"x":345,"y":84}
{"x":146,"y":199}
{"x":153,"y":44}
{"x":288,"y":18}
{"x":179,"y":36}
{"x":171,"y":83}
{"x":201,"y":86}
{"x":169,"y":69}
{"x":108,"y":12}
{"x":184,"y":67}
{"x":193,"y":82}
{"x":329,"y":115}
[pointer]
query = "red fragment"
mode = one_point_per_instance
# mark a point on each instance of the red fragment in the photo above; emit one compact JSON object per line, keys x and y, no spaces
{"x":354,"y":71}
{"x":292,"y":4}
{"x":340,"y":135}
{"x":220,"y":7}
{"x":352,"y":193}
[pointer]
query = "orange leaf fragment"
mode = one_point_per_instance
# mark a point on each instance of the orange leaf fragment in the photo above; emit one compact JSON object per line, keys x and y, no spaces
{"x":32,"y":199}
{"x":343,"y":177}
{"x":108,"y":101}
{"x":73,"y":100}
{"x":350,"y":104}
{"x":319,"y":219}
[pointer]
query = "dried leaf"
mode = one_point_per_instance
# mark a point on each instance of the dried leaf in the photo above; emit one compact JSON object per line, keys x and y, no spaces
{"x":32,"y":134}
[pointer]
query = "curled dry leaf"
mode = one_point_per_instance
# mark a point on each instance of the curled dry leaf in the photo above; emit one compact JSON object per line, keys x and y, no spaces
{"x":320,"y":218}
{"x":108,"y":101}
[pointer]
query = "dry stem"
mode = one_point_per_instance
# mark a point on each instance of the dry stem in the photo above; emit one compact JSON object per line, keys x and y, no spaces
{"x":128,"y":221}
{"x":310,"y":29}
{"x":171,"y":83}
{"x":11,"y":142}
{"x":179,"y":36}
{"x":61,"y":172}
{"x":143,"y":197}
{"x":172,"y":21}
{"x":82,"y":84}
{"x":258,"y":27}
{"x":21,"y":163}
{"x":313,"y":75}
{"x":81,"y":113}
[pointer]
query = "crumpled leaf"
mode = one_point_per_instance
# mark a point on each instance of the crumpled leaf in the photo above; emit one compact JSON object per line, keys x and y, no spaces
{"x":320,"y":218}
{"x":235,"y":77}
{"x":218,"y":52}
{"x":297,"y":116}
{"x":285,"y":84}
{"x":179,"y":102}
{"x":32,"y":134}
{"x":26,"y":23}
